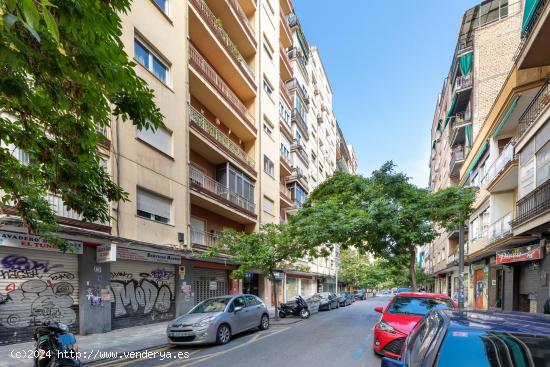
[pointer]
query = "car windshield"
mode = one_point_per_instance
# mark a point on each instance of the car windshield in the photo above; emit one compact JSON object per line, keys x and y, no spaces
{"x":488,"y":349}
{"x":211,"y":305}
{"x":418,"y":305}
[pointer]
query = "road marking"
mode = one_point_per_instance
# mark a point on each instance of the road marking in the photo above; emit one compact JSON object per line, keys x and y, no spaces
{"x":358,"y":353}
{"x":200,"y":359}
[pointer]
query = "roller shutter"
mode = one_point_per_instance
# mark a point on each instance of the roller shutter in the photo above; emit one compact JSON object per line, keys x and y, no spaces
{"x":141,"y":293}
{"x":203,"y":281}
{"x":36,"y":287}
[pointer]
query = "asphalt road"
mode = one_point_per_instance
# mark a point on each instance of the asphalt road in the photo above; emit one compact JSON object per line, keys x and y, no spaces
{"x":341,"y":337}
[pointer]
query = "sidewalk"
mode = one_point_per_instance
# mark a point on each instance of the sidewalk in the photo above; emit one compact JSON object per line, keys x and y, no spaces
{"x":122,"y":340}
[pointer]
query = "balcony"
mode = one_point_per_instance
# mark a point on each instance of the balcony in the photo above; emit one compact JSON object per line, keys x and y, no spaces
{"x":463,"y":83}
{"x":299,"y":148}
{"x":535,"y":203}
{"x":300,"y":122}
{"x":457,"y":159}
{"x":235,"y":113}
{"x":452,"y":259}
{"x":203,"y":239}
{"x":457,"y":135}
{"x":298,"y":175}
{"x":537,"y":107}
{"x":294,"y":86}
{"x":236,"y":23}
{"x":284,"y":93}
{"x":72,"y":218}
{"x":201,"y":183}
{"x":499,"y":229}
{"x":286,"y":196}
{"x":207,"y":33}
{"x":502,"y":174}
{"x":285,"y":34}
{"x":533,"y":49}
{"x":295,"y":54}
{"x":285,"y":66}
{"x":215,"y":136}
{"x":286,"y":165}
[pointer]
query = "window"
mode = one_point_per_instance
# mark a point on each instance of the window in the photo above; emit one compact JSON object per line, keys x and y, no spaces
{"x":269,"y":167}
{"x":150,"y":61}
{"x":268,"y":130}
{"x":160,"y":139}
{"x":237,"y":302}
{"x":268,"y":205}
{"x":268,"y":50}
{"x":237,"y":182}
{"x":153,"y":206}
{"x":298,"y":195}
{"x":163,"y":5}
{"x":251,"y":301}
{"x":268,"y":87}
{"x":543,"y":164}
{"x":285,"y":152}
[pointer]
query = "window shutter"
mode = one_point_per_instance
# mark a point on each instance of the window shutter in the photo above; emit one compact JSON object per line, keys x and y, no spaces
{"x":152,"y":203}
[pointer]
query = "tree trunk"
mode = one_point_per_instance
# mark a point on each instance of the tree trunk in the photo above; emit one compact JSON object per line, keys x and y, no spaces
{"x":275,"y":283}
{"x":412,"y":266}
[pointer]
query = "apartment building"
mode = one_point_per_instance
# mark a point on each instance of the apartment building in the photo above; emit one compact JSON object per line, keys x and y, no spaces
{"x":487,"y":40}
{"x":509,"y":163}
{"x":244,"y":144}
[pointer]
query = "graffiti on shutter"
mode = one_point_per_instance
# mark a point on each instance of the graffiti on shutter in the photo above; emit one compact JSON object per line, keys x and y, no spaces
{"x":141,"y":293}
{"x":36,"y":287}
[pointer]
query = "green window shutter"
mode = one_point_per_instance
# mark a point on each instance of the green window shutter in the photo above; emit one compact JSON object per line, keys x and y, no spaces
{"x":528,"y":13}
{"x":466,"y":62}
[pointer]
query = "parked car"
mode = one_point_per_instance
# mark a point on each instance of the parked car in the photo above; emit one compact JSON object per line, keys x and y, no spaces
{"x":400,"y":316}
{"x":217,"y":319}
{"x":403,"y":290}
{"x":360,"y":294}
{"x":328,"y":301}
{"x":345,"y":299}
{"x":451,"y":338}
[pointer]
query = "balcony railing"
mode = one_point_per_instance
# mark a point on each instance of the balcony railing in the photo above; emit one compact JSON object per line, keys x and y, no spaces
{"x":285,"y":158}
{"x":452,"y":258}
{"x":284,"y":92}
{"x":58,"y":206}
{"x":295,"y":54}
{"x":216,"y":134}
{"x":500,"y":228}
{"x":223,"y":37}
{"x":242,"y":17}
{"x":458,"y":122}
{"x":297,"y":117}
{"x":219,"y":84}
{"x":285,"y":192}
{"x":284,"y":20}
{"x":539,"y":104}
{"x":535,"y":203}
{"x":457,"y":156}
{"x":529,"y":28}
{"x":463,"y":82}
{"x":506,"y":157}
{"x":285,"y":114}
{"x":202,"y":238}
{"x":199,"y":179}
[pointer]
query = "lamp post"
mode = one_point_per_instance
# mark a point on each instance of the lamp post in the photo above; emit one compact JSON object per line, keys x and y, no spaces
{"x":461,"y":263}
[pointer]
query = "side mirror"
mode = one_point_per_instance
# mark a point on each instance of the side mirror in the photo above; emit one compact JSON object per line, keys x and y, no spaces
{"x":388,"y":362}
{"x":379,"y":309}
{"x":238,"y":308}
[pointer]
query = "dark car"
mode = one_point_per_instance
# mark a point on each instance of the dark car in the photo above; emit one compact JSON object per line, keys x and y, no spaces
{"x":453,"y":338}
{"x":360,"y":294}
{"x":328,"y":301}
{"x":345,"y":299}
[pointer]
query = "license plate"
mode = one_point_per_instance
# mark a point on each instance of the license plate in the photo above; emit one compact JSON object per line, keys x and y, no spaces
{"x":180,"y":333}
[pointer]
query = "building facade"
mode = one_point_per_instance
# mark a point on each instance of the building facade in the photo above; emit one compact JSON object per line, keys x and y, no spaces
{"x":249,"y":132}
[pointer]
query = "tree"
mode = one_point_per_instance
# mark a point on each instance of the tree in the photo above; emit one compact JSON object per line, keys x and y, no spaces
{"x":267,"y":250}
{"x":384,"y":214}
{"x":63,"y":75}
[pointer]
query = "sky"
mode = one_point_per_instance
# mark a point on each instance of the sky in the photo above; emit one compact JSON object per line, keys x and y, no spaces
{"x":386,"y":61}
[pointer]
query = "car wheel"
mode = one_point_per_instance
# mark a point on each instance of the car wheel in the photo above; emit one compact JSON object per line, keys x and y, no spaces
{"x":223,"y":335}
{"x":264,"y":322}
{"x":329,"y":307}
{"x":304,"y":313}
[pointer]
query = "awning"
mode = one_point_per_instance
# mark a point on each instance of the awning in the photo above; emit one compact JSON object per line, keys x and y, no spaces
{"x":450,"y":112}
{"x":433,"y":144}
{"x":529,"y":12}
{"x":506,"y":117}
{"x":468,"y":133}
{"x":439,"y":125}
{"x":478,"y":157}
{"x":466,"y":63}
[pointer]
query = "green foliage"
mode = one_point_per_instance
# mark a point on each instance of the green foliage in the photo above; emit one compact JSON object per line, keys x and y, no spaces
{"x":63,"y":75}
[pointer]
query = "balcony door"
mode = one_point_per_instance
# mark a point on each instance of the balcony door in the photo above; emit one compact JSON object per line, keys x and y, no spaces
{"x":198,"y":229}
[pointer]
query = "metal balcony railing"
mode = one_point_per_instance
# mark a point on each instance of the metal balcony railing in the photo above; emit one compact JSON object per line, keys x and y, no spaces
{"x":202,"y":238}
{"x":57,"y":204}
{"x":242,"y":18}
{"x":538,"y":105}
{"x":500,"y":228}
{"x":463,"y":82}
{"x":535,"y":203}
{"x":219,"y":84}
{"x":211,"y":129}
{"x":198,"y":178}
{"x":457,"y":156}
{"x":529,"y":28}
{"x":506,"y":156}
{"x":297,"y":117}
{"x":222,"y":36}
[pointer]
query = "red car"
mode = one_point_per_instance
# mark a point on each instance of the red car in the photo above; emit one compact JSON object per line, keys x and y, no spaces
{"x":400,"y":316}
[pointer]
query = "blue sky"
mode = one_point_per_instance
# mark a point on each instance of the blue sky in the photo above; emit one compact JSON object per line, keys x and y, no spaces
{"x":386,"y":61}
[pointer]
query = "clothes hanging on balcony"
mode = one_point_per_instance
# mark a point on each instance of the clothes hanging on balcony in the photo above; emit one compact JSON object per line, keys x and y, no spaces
{"x":466,"y":62}
{"x":450,"y":112}
{"x":505,"y":118}
{"x":528,"y":14}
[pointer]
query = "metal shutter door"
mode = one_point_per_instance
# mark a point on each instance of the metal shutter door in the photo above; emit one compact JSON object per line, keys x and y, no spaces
{"x":201,"y":279}
{"x":141,"y":293}
{"x":36,"y":287}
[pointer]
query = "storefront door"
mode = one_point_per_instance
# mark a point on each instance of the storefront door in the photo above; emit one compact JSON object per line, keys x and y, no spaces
{"x":479,"y":288}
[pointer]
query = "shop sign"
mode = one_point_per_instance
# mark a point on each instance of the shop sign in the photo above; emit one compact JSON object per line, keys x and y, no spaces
{"x":278,"y":275}
{"x":125,"y":253}
{"x":525,"y":253}
{"x":105,"y":253}
{"x":213,"y":286}
{"x":23,"y":240}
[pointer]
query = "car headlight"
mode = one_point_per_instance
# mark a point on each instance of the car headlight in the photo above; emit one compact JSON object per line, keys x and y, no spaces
{"x":204,"y":323}
{"x":384,"y":326}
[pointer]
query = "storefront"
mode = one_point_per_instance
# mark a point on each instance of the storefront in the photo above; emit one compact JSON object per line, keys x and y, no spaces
{"x":143,"y":286}
{"x":38,"y":283}
{"x":478,"y":286}
{"x":251,"y":284}
{"x":210,"y":279}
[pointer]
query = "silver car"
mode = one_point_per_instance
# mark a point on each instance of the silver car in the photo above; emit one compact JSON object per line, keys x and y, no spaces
{"x":217,"y":319}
